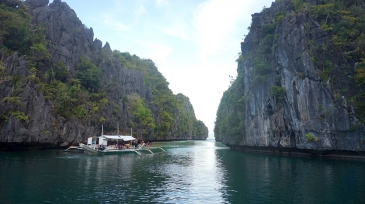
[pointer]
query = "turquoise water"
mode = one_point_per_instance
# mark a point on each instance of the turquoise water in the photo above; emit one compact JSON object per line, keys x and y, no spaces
{"x":188,"y":172}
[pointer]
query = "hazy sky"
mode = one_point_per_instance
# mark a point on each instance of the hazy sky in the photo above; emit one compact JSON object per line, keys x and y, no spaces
{"x":194,"y":43}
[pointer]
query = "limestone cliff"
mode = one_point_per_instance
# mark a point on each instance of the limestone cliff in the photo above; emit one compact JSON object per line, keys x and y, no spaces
{"x":298,"y":86}
{"x":60,"y":85}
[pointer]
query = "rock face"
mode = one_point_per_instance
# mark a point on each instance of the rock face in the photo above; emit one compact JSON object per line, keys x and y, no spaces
{"x":185,"y":125}
{"x":36,"y":124}
{"x":71,"y":39}
{"x":37,"y":3}
{"x":282,"y":98}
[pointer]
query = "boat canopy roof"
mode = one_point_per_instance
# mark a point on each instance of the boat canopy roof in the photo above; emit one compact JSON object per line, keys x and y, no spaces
{"x":119,"y":137}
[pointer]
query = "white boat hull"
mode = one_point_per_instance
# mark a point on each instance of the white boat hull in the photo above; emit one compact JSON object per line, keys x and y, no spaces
{"x":92,"y":150}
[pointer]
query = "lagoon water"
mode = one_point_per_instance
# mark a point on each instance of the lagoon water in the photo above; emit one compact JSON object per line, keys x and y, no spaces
{"x":188,"y":172}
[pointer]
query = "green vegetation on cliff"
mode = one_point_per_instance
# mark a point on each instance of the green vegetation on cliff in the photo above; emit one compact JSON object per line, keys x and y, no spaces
{"x":143,"y":115}
{"x":15,"y":27}
{"x":83,"y":92}
{"x":15,"y":35}
{"x":188,"y":122}
{"x":344,"y":22}
{"x":162,"y":96}
{"x":320,"y":42}
{"x":230,"y":121}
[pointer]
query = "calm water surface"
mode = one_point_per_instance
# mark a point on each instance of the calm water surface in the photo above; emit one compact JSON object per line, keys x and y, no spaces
{"x":188,"y":172}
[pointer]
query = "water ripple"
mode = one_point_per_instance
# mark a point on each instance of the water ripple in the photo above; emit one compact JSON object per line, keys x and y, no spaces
{"x":188,"y":172}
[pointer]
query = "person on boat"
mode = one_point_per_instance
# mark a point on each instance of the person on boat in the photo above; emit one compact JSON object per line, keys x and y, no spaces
{"x":101,"y":147}
{"x":134,"y":143}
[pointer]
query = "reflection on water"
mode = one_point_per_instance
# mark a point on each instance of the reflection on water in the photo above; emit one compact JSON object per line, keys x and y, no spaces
{"x":188,"y":172}
{"x":270,"y":179}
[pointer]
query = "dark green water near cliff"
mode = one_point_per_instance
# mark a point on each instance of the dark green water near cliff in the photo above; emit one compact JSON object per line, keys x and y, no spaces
{"x":188,"y":172}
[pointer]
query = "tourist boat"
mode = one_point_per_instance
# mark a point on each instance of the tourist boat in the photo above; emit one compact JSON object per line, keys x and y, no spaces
{"x":99,"y":145}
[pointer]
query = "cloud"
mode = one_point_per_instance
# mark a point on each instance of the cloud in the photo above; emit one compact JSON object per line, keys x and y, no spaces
{"x":206,"y":82}
{"x":140,"y":9}
{"x":159,"y":53}
{"x":162,"y":2}
{"x":109,"y":19}
{"x":216,"y":20}
{"x":117,"y":4}
{"x":110,"y":22}
{"x":175,"y":31}
{"x":156,"y":51}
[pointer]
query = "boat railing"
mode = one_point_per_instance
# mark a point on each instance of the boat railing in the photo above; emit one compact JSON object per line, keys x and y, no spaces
{"x":114,"y":147}
{"x":94,"y":146}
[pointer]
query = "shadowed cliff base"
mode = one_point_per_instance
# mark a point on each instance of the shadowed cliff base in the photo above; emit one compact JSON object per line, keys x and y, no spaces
{"x":21,"y":146}
{"x":25,"y":146}
{"x":337,"y":154}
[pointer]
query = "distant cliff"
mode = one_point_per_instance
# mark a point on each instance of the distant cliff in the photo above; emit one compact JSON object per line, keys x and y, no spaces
{"x":58,"y":84}
{"x":301,"y":80}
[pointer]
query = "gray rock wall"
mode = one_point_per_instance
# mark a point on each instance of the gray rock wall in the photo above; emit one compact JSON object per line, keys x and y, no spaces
{"x":314,"y":114}
{"x":70,"y":38}
{"x":69,"y":41}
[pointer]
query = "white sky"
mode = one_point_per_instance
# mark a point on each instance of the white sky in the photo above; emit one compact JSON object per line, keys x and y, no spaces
{"x":194,"y":43}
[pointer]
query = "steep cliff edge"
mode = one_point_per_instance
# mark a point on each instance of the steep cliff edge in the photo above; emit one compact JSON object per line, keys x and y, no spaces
{"x":58,"y":84}
{"x":301,"y":82}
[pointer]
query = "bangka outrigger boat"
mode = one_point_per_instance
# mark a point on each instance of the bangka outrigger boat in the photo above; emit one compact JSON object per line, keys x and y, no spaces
{"x":99,"y":145}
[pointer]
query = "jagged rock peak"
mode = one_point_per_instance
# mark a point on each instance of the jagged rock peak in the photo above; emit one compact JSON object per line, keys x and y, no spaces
{"x":107,"y":48}
{"x":97,"y":45}
{"x":37,"y":3}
